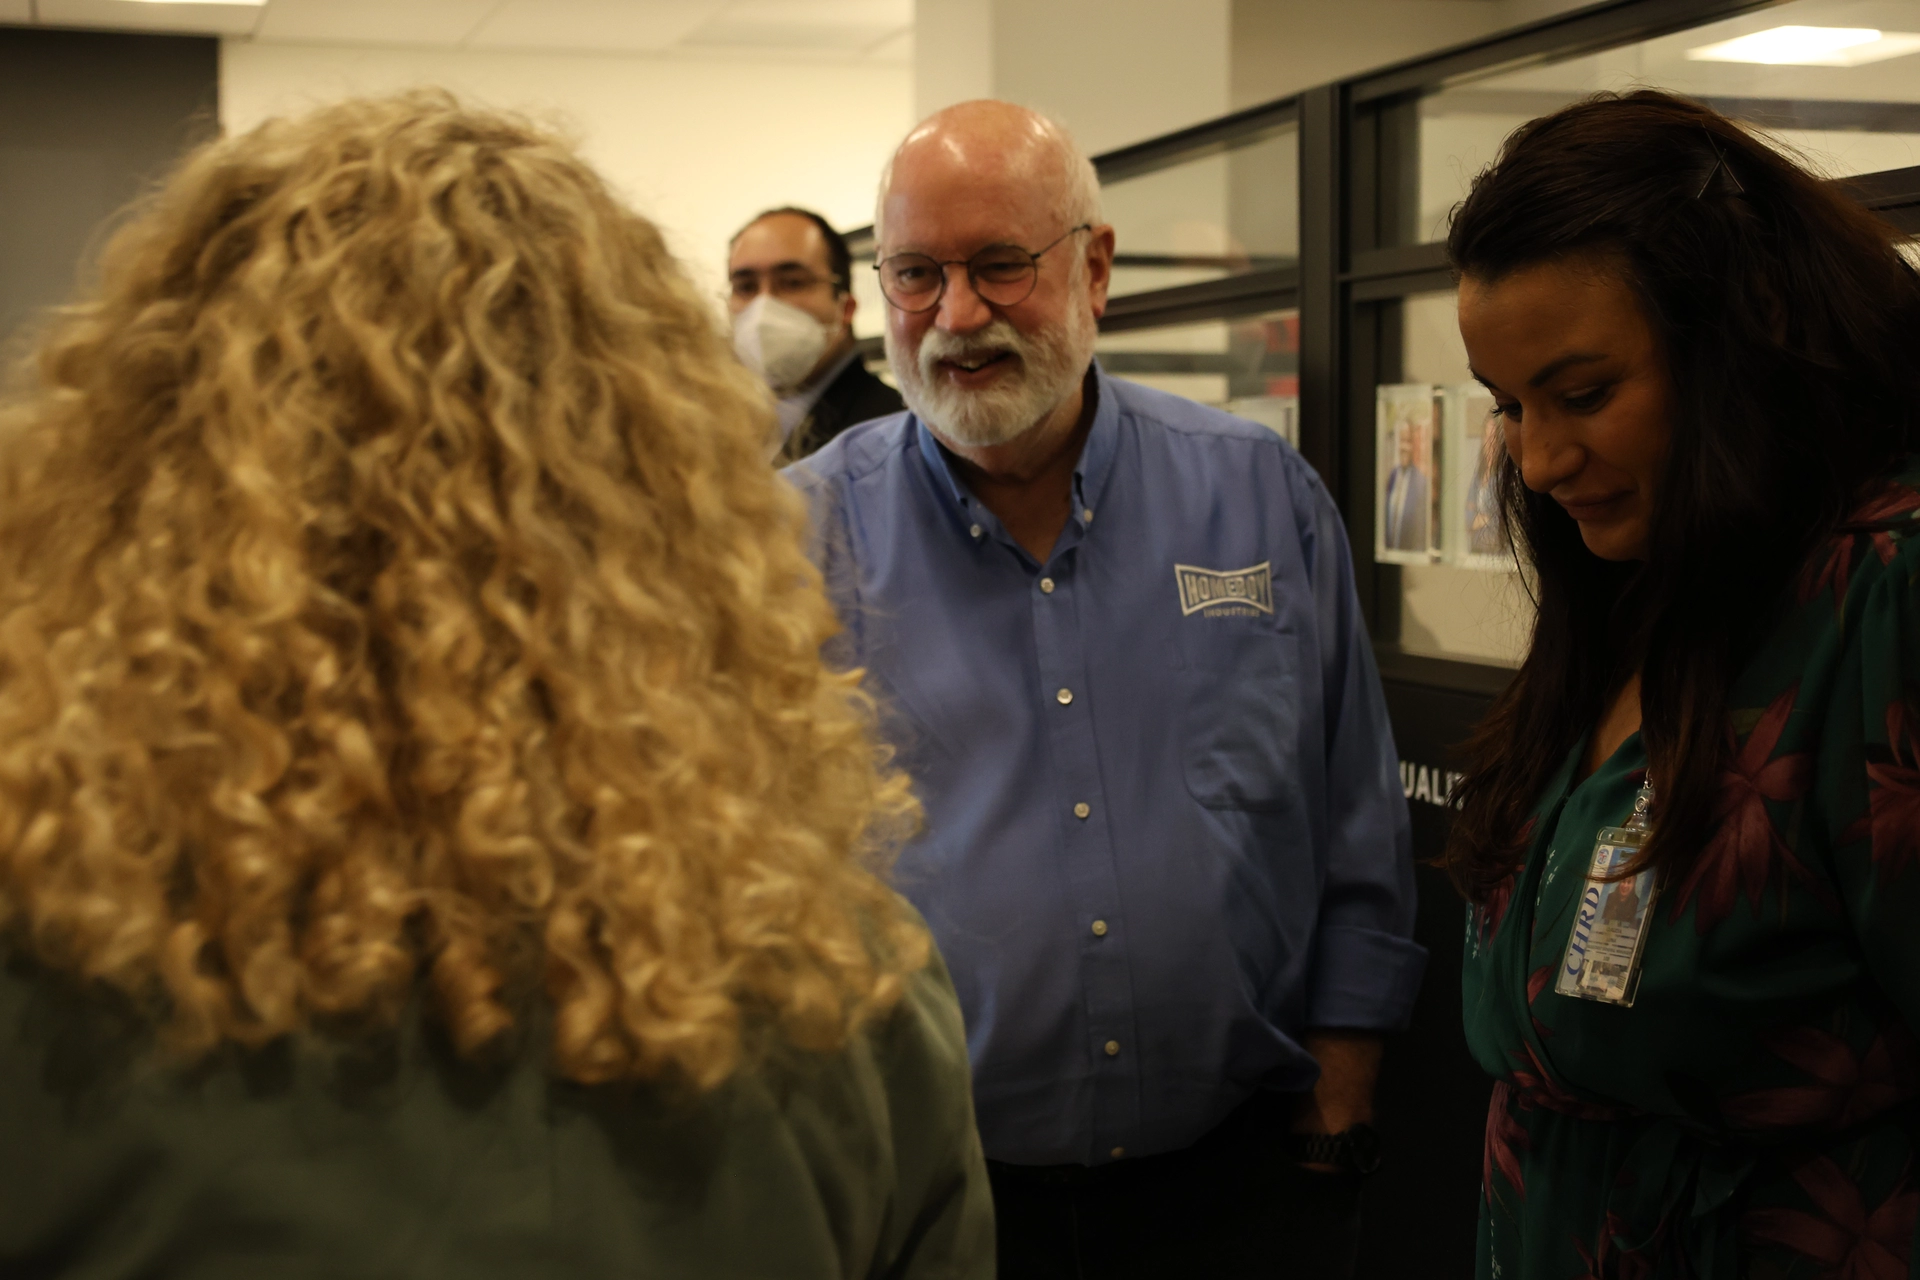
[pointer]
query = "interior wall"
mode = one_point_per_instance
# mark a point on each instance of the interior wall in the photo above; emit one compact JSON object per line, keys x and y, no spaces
{"x":952,"y":53}
{"x":87,"y":118}
{"x":1112,"y":71}
{"x":1120,"y":71}
{"x":1518,"y":13}
{"x":1283,"y":46}
{"x":698,"y":145}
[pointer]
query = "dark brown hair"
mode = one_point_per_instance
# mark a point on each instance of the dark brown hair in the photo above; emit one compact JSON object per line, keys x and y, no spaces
{"x":839,"y":255}
{"x":1790,"y":326}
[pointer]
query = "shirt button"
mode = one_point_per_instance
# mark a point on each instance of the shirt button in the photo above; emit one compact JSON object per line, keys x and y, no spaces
{"x":1117,"y":1152}
{"x":1082,"y":809}
{"x":1063,"y":697}
{"x":1099,"y":928}
{"x":1087,"y":515}
{"x":1046,"y":586}
{"x":975,"y":531}
{"x":1113,"y":1048}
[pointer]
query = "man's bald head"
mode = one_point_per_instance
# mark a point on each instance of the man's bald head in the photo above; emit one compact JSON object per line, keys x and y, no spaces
{"x":988,"y":360}
{"x":998,"y":152}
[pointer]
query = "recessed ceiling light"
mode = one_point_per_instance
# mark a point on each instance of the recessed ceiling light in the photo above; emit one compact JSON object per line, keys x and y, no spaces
{"x":1810,"y":47}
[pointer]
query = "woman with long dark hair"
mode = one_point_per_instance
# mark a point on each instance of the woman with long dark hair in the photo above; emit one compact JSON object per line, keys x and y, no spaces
{"x":1691,"y":826}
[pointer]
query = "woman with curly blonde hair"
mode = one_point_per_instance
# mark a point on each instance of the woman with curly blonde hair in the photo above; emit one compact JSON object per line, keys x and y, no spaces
{"x":430,"y":841}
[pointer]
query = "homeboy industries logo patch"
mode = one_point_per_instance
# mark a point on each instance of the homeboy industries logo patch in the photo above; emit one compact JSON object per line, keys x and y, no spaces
{"x":1214,"y":593}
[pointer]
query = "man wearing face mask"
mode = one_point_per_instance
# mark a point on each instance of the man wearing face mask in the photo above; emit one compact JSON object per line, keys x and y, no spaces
{"x":792,"y":304}
{"x":1116,"y":638}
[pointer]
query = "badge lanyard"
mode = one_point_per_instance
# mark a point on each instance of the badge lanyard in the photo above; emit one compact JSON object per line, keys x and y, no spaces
{"x":1610,"y":929}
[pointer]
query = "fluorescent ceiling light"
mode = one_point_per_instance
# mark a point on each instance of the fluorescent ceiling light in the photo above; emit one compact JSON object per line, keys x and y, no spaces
{"x":1811,"y":47}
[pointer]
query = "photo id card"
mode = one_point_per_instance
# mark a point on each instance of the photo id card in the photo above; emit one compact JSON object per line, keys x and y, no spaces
{"x":1609,"y":931}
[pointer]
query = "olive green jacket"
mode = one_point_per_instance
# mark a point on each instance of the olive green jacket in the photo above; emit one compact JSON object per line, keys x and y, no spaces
{"x":396,"y":1159}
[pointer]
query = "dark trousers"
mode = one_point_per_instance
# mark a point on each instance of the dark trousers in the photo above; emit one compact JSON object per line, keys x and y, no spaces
{"x":1232,"y":1205}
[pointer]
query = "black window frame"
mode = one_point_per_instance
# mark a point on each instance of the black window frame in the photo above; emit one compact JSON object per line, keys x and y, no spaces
{"x":1357,"y":162}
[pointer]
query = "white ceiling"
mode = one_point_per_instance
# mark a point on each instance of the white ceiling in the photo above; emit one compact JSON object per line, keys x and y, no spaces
{"x":862,"y":30}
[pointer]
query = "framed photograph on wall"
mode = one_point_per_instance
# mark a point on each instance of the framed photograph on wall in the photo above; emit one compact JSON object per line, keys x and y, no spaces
{"x":1406,"y":528}
{"x":1472,"y":446}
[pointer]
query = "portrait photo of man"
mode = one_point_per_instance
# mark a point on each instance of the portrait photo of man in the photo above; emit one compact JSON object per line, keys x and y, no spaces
{"x":1404,"y":518}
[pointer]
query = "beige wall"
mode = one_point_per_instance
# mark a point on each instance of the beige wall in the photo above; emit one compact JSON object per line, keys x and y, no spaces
{"x":1113,"y":71}
{"x":1119,"y":71}
{"x":952,"y":53}
{"x":1116,"y":71}
{"x":698,"y":145}
{"x":1283,"y":46}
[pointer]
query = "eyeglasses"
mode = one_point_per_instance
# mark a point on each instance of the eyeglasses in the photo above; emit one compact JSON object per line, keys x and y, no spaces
{"x":781,"y":282}
{"x":1002,"y":274}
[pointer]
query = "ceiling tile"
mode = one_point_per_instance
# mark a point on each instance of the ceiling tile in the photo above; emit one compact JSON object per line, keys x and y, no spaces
{"x":763,"y":37}
{"x":601,"y":26}
{"x":131,"y":15}
{"x":411,"y":22}
{"x":888,"y":14}
{"x":727,"y":34}
{"x":842,"y":26}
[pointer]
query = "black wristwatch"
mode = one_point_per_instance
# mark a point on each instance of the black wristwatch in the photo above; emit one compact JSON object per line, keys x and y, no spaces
{"x":1355,"y":1150}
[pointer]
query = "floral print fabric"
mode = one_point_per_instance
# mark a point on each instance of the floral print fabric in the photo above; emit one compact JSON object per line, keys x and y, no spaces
{"x":1753,"y":1113}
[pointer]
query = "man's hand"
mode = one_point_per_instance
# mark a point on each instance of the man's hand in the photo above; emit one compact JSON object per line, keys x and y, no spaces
{"x":1349,"y":1063}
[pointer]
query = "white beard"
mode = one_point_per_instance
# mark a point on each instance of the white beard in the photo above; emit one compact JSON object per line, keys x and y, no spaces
{"x":1050,"y":365}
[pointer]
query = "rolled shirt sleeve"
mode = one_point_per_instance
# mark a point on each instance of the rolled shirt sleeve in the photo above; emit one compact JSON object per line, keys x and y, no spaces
{"x":1365,"y":969}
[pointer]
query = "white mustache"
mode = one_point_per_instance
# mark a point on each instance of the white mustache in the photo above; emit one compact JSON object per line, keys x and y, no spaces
{"x":1050,"y":362}
{"x":998,"y":338}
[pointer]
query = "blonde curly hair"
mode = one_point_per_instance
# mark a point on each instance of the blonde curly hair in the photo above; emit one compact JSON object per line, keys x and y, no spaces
{"x":393,"y":589}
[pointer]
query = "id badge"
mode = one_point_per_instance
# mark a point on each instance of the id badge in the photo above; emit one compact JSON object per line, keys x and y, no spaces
{"x":1610,"y":930}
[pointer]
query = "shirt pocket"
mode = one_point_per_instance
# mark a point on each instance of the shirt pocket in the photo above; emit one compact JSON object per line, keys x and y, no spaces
{"x":1240,"y":707}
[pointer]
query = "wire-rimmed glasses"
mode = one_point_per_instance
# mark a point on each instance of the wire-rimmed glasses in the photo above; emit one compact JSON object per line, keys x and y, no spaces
{"x":1002,"y":274}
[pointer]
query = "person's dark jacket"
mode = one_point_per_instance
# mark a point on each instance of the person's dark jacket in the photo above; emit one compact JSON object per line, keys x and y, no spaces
{"x":853,"y":397}
{"x":392,"y":1157}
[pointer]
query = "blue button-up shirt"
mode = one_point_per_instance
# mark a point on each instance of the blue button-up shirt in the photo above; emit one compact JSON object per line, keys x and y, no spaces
{"x":1165,"y":832}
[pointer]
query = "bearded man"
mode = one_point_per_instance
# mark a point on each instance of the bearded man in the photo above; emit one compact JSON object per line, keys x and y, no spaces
{"x":1166,"y":852}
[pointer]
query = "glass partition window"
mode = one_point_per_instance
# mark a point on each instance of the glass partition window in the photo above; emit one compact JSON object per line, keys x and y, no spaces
{"x":1249,"y":367}
{"x":1214,"y":215}
{"x":1460,"y":597}
{"x":1836,"y":80}
{"x":870,"y":308}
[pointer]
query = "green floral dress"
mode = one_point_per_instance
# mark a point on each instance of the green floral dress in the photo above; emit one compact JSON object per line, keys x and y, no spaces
{"x":1754,"y":1112}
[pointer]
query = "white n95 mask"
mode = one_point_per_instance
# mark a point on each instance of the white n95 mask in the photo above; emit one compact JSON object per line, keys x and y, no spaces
{"x":779,"y":341}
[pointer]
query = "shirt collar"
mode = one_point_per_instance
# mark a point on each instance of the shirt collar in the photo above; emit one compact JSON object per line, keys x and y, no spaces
{"x":793,"y":409}
{"x":1089,"y":473}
